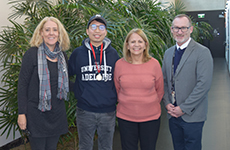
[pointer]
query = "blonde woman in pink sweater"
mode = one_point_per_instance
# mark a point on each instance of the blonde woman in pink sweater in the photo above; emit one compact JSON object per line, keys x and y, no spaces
{"x":139,"y":83}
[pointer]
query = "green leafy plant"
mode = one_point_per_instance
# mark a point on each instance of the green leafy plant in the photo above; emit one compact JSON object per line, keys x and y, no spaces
{"x":122,"y":16}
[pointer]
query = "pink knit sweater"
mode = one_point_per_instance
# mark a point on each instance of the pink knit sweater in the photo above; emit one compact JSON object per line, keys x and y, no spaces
{"x":140,"y":89}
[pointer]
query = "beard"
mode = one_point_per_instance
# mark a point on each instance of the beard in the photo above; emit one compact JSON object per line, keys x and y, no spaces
{"x":181,"y":39}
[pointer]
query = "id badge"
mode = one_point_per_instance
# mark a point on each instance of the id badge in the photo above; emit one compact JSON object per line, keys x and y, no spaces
{"x":173,"y":97}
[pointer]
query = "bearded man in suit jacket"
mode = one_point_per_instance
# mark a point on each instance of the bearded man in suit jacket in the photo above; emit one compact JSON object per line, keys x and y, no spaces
{"x":187,"y":69}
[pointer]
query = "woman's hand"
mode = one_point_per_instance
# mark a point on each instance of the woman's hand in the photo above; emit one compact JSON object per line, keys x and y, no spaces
{"x":22,"y":121}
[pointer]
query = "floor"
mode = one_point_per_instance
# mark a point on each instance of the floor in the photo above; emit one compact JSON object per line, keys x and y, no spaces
{"x":216,"y":132}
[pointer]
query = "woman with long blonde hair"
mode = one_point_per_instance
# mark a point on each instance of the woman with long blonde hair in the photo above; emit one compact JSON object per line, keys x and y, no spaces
{"x":43,"y":85}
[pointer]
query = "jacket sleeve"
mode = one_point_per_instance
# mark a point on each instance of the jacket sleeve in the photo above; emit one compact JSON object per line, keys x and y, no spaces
{"x":25,"y":74}
{"x":204,"y":71}
{"x":166,"y":97}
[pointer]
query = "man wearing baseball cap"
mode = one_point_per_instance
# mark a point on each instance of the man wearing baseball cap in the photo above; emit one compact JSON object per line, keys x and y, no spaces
{"x":93,"y":64}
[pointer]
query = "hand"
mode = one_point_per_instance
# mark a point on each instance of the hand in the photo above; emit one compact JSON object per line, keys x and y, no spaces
{"x":22,"y":121}
{"x":177,"y":112}
{"x":170,"y":107}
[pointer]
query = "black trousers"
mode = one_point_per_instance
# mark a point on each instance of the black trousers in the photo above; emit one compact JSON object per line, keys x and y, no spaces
{"x":44,"y":143}
{"x":133,"y":132}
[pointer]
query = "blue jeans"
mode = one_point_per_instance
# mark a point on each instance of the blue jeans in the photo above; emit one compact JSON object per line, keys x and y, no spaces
{"x":185,"y":135}
{"x":89,"y":122}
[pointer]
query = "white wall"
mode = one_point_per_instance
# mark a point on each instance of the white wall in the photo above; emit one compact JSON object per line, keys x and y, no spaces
{"x":227,"y":20}
{"x":5,"y":11}
{"x":166,"y":3}
{"x":202,"y":5}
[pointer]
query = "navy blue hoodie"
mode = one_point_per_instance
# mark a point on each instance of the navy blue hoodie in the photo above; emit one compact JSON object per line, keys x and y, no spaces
{"x":93,"y":95}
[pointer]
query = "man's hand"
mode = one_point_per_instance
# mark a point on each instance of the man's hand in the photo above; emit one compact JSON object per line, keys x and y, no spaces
{"x":177,"y":112}
{"x":174,"y":111}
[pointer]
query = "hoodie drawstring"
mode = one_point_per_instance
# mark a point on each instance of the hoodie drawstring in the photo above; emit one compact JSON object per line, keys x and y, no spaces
{"x":105,"y":66}
{"x":90,"y":61}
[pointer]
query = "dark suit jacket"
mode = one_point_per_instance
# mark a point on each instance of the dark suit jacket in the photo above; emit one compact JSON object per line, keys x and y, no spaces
{"x":193,"y":79}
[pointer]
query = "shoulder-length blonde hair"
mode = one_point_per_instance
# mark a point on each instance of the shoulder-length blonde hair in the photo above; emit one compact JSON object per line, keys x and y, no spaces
{"x":63,"y":38}
{"x":126,"y":51}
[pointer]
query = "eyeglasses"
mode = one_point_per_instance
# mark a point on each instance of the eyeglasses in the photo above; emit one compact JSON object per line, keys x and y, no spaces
{"x":183,"y":29}
{"x":94,"y":27}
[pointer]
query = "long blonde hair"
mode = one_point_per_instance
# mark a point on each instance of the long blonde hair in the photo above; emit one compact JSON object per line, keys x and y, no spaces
{"x":127,"y":53}
{"x":63,"y":38}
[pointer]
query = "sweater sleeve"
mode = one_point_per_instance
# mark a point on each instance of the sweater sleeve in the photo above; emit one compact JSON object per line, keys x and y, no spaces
{"x":159,"y":81}
{"x":24,"y":79}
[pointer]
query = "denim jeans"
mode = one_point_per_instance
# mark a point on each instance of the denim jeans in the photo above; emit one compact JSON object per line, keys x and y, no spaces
{"x":89,"y":122}
{"x":185,"y":135}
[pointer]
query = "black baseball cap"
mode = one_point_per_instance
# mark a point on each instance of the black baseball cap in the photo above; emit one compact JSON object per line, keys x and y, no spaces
{"x":98,"y":18}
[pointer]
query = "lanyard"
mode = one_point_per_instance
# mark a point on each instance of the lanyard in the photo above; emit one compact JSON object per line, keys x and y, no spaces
{"x":172,"y":73}
{"x":98,"y":68}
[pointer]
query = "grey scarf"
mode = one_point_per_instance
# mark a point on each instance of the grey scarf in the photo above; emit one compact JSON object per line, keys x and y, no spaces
{"x":44,"y":76}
